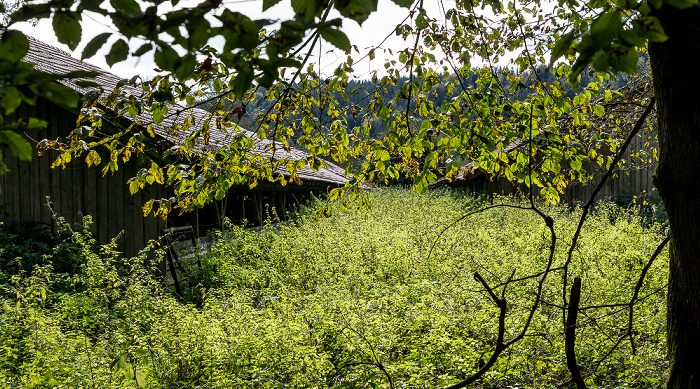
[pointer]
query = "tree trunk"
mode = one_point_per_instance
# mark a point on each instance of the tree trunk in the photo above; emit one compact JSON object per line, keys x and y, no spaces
{"x":676,"y":70}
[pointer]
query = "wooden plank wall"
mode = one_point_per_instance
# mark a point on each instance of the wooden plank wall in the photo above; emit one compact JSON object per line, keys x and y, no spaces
{"x":633,"y":178}
{"x":76,"y":190}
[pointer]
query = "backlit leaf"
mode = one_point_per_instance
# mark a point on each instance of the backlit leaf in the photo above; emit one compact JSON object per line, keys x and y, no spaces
{"x":19,"y":146}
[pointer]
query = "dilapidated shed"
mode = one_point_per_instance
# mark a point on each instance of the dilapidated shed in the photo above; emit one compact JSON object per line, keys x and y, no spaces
{"x":79,"y":190}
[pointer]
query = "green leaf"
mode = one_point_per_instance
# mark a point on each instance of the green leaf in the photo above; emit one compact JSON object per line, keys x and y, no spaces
{"x":605,"y":29}
{"x":30,"y":11}
{"x":576,"y":164}
{"x":599,"y":110}
{"x":682,"y":3}
{"x":336,"y":37}
{"x":133,"y":185}
{"x":78,"y":74}
{"x":550,"y":195}
{"x":159,"y":114}
{"x":60,"y":94}
{"x":357,"y":10}
{"x":307,"y":9}
{"x":166,"y":57}
{"x":118,"y":53}
{"x":93,"y":158}
{"x":586,"y":51}
{"x":87,"y":84}
{"x":140,"y":379}
{"x":95,"y":44}
{"x":186,"y":67}
{"x":403,"y":3}
{"x":145,"y":48}
{"x":242,"y":82}
{"x":608,"y":96}
{"x":650,"y":28}
{"x":625,"y":60}
{"x":13,"y":46}
{"x":632,"y":37}
{"x":239,"y":32}
{"x":34,"y":124}
{"x":287,"y":62}
{"x":267,"y":4}
{"x":10,"y":99}
{"x":67,"y":27}
{"x":19,"y":146}
{"x":561,"y":47}
{"x":601,"y":61}
{"x":127,"y":7}
{"x":551,"y":165}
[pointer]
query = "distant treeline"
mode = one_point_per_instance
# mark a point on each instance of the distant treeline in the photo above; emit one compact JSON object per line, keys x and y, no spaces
{"x":359,"y":94}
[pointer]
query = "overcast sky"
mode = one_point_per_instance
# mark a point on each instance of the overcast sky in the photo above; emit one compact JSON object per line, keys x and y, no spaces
{"x":379,"y":25}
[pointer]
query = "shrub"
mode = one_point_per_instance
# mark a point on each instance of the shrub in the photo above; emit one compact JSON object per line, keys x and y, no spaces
{"x":362,"y":299}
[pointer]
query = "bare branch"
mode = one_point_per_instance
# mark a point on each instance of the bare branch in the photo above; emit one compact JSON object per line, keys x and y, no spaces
{"x":500,"y":346}
{"x":587,"y":207}
{"x":570,"y":334}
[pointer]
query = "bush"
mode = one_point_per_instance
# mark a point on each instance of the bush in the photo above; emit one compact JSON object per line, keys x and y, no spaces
{"x":24,"y":247}
{"x":363,"y":299}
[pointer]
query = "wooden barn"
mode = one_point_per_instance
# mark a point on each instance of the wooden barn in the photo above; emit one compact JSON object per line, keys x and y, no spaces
{"x":633,"y":178}
{"x":78,"y":190}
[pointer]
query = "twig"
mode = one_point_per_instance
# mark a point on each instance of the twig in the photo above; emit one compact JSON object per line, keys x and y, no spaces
{"x":461,"y":218}
{"x":638,"y":287}
{"x":410,"y":79}
{"x":587,"y":207}
{"x":500,"y":345}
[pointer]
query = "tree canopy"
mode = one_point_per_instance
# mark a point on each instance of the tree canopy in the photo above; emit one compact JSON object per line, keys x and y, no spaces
{"x":482,"y":110}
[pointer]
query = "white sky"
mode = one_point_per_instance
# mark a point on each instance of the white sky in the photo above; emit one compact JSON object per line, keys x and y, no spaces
{"x":379,"y":25}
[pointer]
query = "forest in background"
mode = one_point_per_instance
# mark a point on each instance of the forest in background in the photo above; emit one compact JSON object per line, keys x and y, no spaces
{"x":357,"y":94}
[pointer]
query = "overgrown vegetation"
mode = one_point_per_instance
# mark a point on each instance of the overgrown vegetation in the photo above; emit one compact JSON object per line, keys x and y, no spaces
{"x":374,"y":298}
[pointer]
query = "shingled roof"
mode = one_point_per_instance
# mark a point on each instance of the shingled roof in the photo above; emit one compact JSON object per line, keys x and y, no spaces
{"x":53,"y":60}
